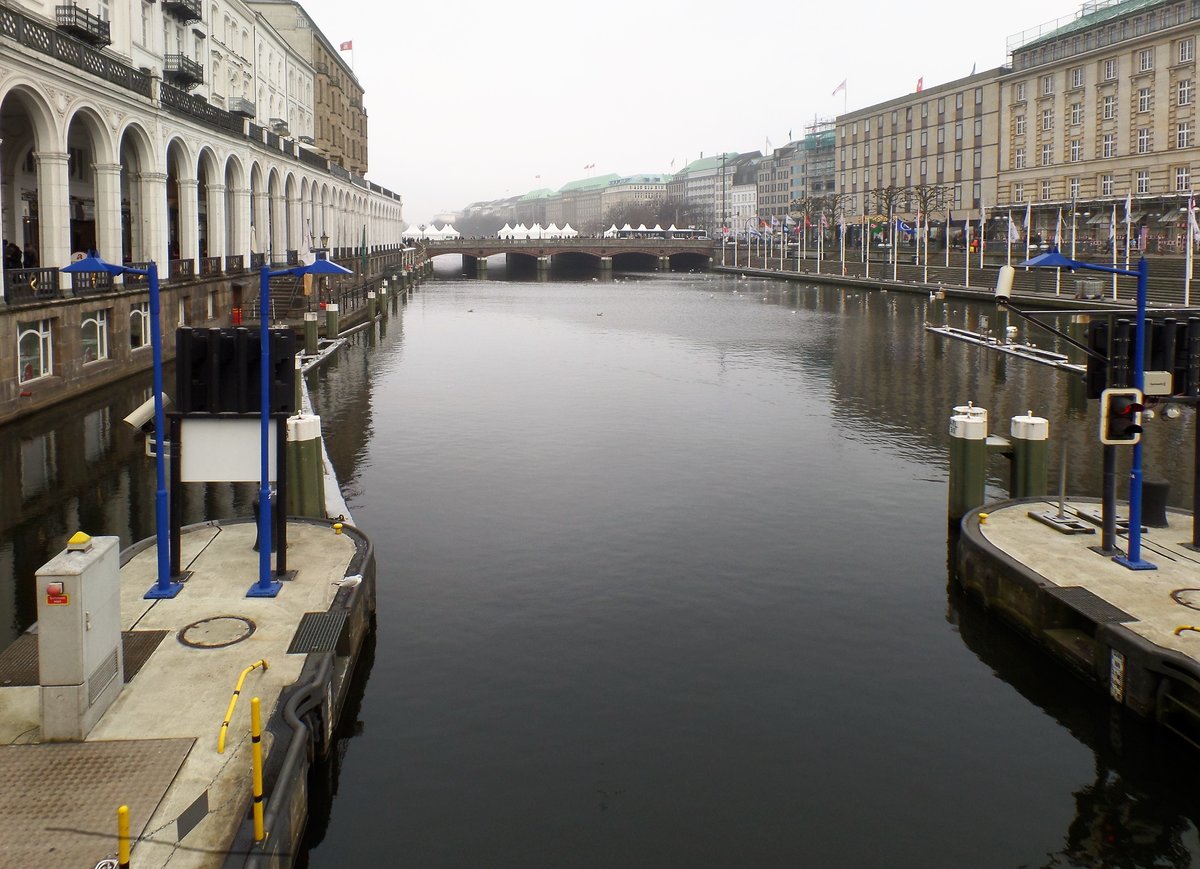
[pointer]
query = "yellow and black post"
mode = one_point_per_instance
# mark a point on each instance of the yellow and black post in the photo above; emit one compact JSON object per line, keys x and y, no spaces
{"x":256,"y":755}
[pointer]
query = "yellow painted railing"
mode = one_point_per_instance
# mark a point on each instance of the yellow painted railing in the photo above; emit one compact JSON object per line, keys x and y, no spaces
{"x":233,"y":703}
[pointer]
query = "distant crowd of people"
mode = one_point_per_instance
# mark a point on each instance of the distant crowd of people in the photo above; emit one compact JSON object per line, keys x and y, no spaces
{"x":15,"y":258}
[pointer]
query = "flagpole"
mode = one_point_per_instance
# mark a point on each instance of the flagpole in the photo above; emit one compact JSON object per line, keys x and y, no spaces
{"x":1128,"y":205}
{"x":820,"y":240}
{"x":948,"y":219}
{"x":967,"y":252}
{"x":981,"y":233}
{"x":1114,"y":247}
{"x":1058,"y":246}
{"x":923,"y":237}
{"x":895,"y":246}
{"x":842,"y":228}
{"x":1191,"y":237}
{"x":866,"y":244}
{"x":1028,"y":229}
{"x":1008,"y":236}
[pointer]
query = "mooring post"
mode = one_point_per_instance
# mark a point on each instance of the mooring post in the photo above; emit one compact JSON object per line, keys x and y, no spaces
{"x":310,"y":333}
{"x":1028,"y":475}
{"x":968,"y":460}
{"x":331,"y":320}
{"x":306,"y":468}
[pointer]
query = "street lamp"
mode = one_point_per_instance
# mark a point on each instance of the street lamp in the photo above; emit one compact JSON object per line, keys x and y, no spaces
{"x":1053,"y":259}
{"x":266,"y":587}
{"x":93,"y":264}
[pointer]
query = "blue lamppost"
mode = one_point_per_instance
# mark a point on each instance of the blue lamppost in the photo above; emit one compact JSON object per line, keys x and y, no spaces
{"x":266,"y":587}
{"x":1053,"y":259}
{"x":93,"y":264}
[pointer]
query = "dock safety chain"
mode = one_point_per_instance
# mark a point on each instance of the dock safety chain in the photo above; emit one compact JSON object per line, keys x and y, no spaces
{"x":233,"y":703}
{"x":1179,"y":630}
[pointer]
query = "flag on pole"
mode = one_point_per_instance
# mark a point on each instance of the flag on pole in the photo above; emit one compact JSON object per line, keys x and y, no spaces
{"x":1013,"y":233}
{"x":363,"y":249}
{"x":1193,"y":228}
{"x":1112,"y":227}
{"x":920,"y":84}
{"x":837,"y":90}
{"x":1028,"y":215}
{"x":348,"y":45}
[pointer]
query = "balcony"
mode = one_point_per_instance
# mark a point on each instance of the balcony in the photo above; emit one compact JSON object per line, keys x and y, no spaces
{"x":182,"y":71}
{"x":184,"y":10}
{"x":242,"y":106}
{"x":83,"y":25}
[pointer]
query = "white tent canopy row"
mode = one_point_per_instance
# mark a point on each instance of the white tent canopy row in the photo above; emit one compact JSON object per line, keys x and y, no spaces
{"x":537,"y":231}
{"x":432,"y":233}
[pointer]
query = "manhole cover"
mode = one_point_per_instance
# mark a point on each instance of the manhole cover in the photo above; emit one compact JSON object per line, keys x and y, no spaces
{"x":216,"y":632}
{"x":1188,"y":597}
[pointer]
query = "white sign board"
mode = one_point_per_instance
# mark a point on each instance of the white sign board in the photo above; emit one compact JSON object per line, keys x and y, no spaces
{"x":1157,"y":383}
{"x":224,"y":450}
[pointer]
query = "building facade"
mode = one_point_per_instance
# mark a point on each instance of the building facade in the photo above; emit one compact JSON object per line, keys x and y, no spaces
{"x":1099,"y":110}
{"x":945,"y":137}
{"x":632,"y":190}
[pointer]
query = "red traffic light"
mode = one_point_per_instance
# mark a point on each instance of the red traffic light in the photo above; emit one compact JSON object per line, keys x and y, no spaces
{"x":1121,"y":416}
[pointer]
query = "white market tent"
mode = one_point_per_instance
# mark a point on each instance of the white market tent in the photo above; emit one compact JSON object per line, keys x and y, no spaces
{"x":520,"y":231}
{"x":672,"y":228}
{"x":657,"y":228}
{"x":413,"y":232}
{"x":568,"y":231}
{"x":642,"y":228}
{"x":505,"y":232}
{"x":611,"y":232}
{"x":626,"y":228}
{"x":448,"y":231}
{"x":433,"y":233}
{"x":552,"y":231}
{"x":536,"y":231}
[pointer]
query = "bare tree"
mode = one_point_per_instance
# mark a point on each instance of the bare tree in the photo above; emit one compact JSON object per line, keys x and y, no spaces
{"x":886,"y":202}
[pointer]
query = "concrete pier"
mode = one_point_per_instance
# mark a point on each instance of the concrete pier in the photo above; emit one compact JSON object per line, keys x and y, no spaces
{"x":1134,"y":634}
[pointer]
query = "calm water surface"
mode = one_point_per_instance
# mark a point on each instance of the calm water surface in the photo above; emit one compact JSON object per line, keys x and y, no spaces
{"x":663,"y":575}
{"x":663,"y":582}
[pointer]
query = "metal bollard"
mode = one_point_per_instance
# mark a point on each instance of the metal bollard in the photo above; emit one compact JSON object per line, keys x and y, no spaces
{"x":123,"y":837}
{"x":256,"y":762}
{"x":1027,"y":475}
{"x":305,"y":467}
{"x":310,"y":333}
{"x":331,"y":321}
{"x":968,"y":460}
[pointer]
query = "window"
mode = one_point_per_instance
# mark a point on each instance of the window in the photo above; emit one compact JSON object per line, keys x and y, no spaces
{"x":1018,"y":192}
{"x":924,"y":168}
{"x":941,"y":105}
{"x":1106,"y":185}
{"x":1018,"y":158}
{"x":210,"y":311}
{"x":1143,"y":141}
{"x":1141,"y":181}
{"x":908,"y":170}
{"x":1183,"y":179}
{"x":976,"y":194}
{"x":958,"y":162}
{"x":1074,"y":187}
{"x":978,"y":128}
{"x":1076,"y":114}
{"x":1183,"y":134}
{"x":1046,"y":189}
{"x":94,"y":336}
{"x":1144,"y":99}
{"x":908,"y":142}
{"x":908,"y":114}
{"x":1020,"y":125}
{"x":978,"y":160}
{"x":958,"y":132}
{"x":1146,"y":60}
{"x":139,"y":325}
{"x":1047,"y":119}
{"x":1187,"y":49}
{"x":924,"y":110}
{"x":941,"y":165}
{"x":1019,"y":92}
{"x":958,"y":101}
{"x":924,"y":139}
{"x":978,"y":96}
{"x":35,"y":350}
{"x":1076,"y":150}
{"x":941,"y":135}
{"x":1110,"y":69}
{"x":1185,"y":92}
{"x":1108,"y":145}
{"x":1047,"y":154}
{"x":895,"y":118}
{"x":183,"y":311}
{"x":1077,"y":77}
{"x":1109,"y":108}
{"x":1047,"y":85}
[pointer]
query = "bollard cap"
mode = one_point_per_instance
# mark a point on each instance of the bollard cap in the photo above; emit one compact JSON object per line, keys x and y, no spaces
{"x":1030,"y":428}
{"x":968,"y":427}
{"x":79,"y":542}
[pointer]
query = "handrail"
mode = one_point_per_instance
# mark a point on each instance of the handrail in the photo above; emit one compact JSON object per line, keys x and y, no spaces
{"x":233,"y":703}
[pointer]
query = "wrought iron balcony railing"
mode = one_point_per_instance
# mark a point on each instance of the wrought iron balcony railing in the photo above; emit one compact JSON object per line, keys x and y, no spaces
{"x":82,"y":24}
{"x":184,"y":10}
{"x":242,"y":106}
{"x":182,"y":70}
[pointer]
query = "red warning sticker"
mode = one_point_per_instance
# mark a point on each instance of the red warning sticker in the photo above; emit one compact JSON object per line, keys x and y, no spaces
{"x":55,"y":596}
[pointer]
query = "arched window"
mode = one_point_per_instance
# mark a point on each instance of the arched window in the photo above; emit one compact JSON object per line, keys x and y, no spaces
{"x":35,"y":350}
{"x":139,"y":326}
{"x":94,"y":336}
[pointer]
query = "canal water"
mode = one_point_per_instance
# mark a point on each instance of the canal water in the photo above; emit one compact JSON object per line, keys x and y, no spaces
{"x":663,"y":582}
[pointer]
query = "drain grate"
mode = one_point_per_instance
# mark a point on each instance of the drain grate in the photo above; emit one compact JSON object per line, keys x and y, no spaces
{"x":1095,"y":608}
{"x":320,"y":632}
{"x":19,"y":662}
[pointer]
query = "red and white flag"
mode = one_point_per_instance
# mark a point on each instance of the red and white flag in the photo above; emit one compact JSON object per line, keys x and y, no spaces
{"x":348,"y":45}
{"x":920,"y":84}
{"x":839,"y":88}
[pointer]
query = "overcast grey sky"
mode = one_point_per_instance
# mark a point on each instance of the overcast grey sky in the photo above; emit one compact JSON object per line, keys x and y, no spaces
{"x":474,"y":99}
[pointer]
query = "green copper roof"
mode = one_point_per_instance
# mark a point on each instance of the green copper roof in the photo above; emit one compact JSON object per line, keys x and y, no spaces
{"x":641,"y":179}
{"x":540,"y":193}
{"x":588,"y":183}
{"x":1091,"y":14}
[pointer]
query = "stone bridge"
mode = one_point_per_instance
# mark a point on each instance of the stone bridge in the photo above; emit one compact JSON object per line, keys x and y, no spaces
{"x":659,"y":253}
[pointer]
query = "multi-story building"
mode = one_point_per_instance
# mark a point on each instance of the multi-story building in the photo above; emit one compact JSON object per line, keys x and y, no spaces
{"x":702,"y":187}
{"x":339,"y":116}
{"x":531,"y":208}
{"x":1100,"y":107}
{"x":632,"y":190}
{"x":815,"y":173}
{"x":776,"y":173}
{"x":943,"y":137}
{"x":580,"y":202}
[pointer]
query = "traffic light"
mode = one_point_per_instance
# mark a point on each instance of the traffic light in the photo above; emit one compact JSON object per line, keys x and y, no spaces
{"x":1121,"y":416}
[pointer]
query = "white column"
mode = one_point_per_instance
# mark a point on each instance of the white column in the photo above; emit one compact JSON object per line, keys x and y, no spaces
{"x":295,"y":224}
{"x":54,"y":217}
{"x":189,"y":221}
{"x":262,"y":221}
{"x":108,"y":210}
{"x":278,"y":229}
{"x":216,"y":221}
{"x":153,"y":187}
